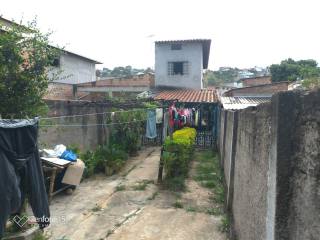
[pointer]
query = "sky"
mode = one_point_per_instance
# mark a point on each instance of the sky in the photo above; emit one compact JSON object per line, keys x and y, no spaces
{"x":244,"y":33}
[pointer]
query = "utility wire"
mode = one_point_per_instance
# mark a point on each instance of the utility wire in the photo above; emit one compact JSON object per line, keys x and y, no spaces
{"x":90,"y":125}
{"x":91,"y":114}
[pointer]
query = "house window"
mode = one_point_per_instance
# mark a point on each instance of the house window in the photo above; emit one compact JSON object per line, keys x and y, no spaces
{"x":178,"y":68}
{"x":176,"y":46}
{"x":56,"y":62}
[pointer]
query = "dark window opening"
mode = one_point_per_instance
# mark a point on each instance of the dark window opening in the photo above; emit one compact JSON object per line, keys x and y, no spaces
{"x":177,"y":68}
{"x":56,"y":62}
{"x":176,"y":46}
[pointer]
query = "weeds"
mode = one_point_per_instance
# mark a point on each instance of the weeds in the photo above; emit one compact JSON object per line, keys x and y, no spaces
{"x":120,"y":188}
{"x":40,"y":236}
{"x":225,"y":224}
{"x":210,"y":175}
{"x":191,"y":209}
{"x":96,"y":208}
{"x":178,"y":204}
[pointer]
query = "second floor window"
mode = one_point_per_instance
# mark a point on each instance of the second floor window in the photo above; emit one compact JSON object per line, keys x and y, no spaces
{"x":178,"y":68}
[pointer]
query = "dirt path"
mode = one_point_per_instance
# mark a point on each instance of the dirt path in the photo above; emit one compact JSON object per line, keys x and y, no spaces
{"x":130,"y":206}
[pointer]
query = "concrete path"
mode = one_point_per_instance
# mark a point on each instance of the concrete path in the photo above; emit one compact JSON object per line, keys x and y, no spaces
{"x":130,"y":206}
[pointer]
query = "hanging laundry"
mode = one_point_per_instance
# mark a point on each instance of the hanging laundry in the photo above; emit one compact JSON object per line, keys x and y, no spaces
{"x":20,"y":171}
{"x":165,"y":125}
{"x":159,"y":114}
{"x":172,"y":115}
{"x":151,"y":128}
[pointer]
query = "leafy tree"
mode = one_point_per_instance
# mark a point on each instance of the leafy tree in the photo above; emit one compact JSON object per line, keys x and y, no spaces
{"x":25,"y":59}
{"x":311,"y":83}
{"x":290,"y":70}
{"x":216,"y":78}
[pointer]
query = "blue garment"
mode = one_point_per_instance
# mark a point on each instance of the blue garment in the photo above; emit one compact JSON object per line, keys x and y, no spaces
{"x":151,"y":130}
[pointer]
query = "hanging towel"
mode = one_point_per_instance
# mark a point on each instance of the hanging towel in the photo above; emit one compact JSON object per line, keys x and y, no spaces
{"x":159,"y":113}
{"x":151,"y":130}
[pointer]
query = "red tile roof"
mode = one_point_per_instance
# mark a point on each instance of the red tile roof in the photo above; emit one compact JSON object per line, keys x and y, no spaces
{"x":190,"y":96}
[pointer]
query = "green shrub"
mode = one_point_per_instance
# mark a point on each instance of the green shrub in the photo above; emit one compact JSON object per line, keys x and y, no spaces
{"x":177,"y":154}
{"x":112,"y":156}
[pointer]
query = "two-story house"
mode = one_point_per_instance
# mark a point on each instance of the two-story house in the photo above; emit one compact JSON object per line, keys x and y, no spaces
{"x":180,"y":63}
{"x":73,"y":68}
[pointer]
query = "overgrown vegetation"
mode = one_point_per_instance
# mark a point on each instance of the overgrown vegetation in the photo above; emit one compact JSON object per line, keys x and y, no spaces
{"x":25,"y":59}
{"x":210,"y":175}
{"x":41,"y":236}
{"x":124,"y":140}
{"x":177,"y":155}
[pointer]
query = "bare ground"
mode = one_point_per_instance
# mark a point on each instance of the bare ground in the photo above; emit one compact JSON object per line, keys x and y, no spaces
{"x":131,"y":206}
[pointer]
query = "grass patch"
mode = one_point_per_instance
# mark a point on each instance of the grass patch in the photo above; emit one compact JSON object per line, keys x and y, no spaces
{"x":225,"y":224}
{"x":178,"y":204}
{"x":209,"y":174}
{"x":96,"y":208}
{"x":215,"y":211}
{"x":41,"y":236}
{"x":191,"y":209}
{"x":120,"y":188}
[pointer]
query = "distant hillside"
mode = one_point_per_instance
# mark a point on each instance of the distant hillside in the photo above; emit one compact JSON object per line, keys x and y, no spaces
{"x":229,"y":75}
{"x":126,"y":71}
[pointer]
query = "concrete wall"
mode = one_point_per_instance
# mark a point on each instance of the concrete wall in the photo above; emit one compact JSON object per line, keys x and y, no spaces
{"x":190,"y":52}
{"x":86,"y":137}
{"x":270,"y":155}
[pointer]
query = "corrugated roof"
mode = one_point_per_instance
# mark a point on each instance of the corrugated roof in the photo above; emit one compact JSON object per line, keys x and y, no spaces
{"x":190,"y":96}
{"x":206,"y":43}
{"x":235,"y":103}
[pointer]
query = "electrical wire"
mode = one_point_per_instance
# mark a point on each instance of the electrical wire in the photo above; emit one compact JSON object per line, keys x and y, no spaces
{"x":90,"y":125}
{"x":92,"y":114}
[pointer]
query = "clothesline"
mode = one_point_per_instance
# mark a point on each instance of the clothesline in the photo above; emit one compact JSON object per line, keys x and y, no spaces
{"x":90,"y":125}
{"x":92,"y":114}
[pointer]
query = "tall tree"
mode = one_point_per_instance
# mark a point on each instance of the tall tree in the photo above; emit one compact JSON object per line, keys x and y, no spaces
{"x":291,"y":70}
{"x":25,"y":59}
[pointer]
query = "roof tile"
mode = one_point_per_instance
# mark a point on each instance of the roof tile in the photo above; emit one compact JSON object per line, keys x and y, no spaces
{"x":191,"y":96}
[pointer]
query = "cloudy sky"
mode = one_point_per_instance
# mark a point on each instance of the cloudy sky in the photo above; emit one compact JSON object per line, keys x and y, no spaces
{"x":244,"y":33}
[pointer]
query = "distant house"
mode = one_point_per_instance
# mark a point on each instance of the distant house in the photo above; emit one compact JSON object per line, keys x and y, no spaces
{"x":180,"y":63}
{"x":265,"y":90}
{"x":73,"y":68}
{"x":117,"y":86}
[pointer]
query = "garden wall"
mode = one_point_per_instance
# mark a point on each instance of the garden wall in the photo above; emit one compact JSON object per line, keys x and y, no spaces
{"x":271,"y":162}
{"x":84,"y":136}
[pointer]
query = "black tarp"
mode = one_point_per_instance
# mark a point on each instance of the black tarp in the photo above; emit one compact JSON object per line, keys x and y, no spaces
{"x":21,"y":173}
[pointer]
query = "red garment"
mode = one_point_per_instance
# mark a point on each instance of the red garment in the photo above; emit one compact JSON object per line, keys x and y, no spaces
{"x":171,"y":115}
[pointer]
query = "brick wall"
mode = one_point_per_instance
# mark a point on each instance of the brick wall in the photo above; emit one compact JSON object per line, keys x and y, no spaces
{"x":248,"y":82}
{"x":139,"y":80}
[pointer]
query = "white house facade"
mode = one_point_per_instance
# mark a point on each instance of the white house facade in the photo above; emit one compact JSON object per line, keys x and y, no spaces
{"x":74,"y":69}
{"x":180,"y":63}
